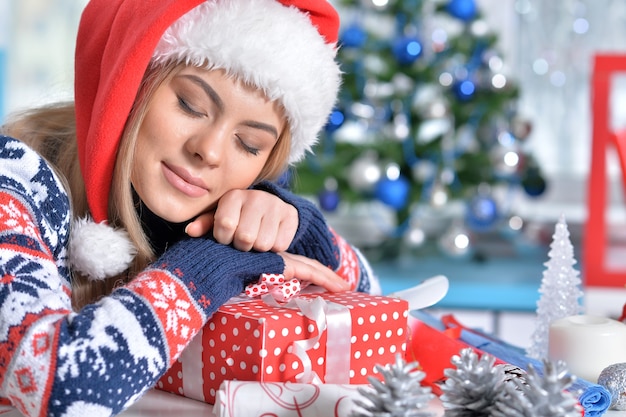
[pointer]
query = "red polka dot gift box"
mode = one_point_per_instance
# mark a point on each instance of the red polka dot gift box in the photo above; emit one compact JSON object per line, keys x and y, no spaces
{"x":314,"y":338}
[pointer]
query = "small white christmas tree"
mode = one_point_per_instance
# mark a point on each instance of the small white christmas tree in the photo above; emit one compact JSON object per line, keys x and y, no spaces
{"x":560,"y":290}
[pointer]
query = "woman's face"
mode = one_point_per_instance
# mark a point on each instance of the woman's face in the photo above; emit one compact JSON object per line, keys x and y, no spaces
{"x":204,"y":134}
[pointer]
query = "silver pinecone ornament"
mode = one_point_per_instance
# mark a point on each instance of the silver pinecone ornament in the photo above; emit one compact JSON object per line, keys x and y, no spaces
{"x":539,"y":396}
{"x":399,"y":394}
{"x":512,"y":372}
{"x":473,"y":387}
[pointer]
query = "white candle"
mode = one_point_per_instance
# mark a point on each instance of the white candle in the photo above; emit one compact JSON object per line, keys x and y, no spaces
{"x":587,"y":344}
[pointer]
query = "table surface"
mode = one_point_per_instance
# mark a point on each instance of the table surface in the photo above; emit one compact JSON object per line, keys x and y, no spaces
{"x":162,"y":404}
{"x":157,"y":403}
{"x":499,"y":284}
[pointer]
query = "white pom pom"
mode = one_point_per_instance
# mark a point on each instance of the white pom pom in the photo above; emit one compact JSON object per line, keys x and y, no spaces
{"x":98,"y":250}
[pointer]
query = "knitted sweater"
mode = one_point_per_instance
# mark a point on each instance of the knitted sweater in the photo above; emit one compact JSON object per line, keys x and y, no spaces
{"x":97,"y":361}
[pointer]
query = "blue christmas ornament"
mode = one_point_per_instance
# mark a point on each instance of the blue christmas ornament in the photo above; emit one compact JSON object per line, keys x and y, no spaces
{"x":407,"y":49}
{"x":335,"y":120}
{"x":533,"y":183}
{"x":329,"y":200}
{"x":353,"y":37}
{"x":481,"y":213}
{"x":462,"y":9}
{"x":393,"y":193}
{"x":464,"y":89}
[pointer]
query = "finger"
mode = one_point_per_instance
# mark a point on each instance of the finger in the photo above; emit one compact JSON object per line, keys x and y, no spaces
{"x":321,"y":276}
{"x":277,"y":225}
{"x":201,"y":225}
{"x":261,"y":220}
{"x":226,"y":219}
{"x":267,"y":235}
{"x":249,"y":233}
{"x":306,"y":269}
{"x":286,"y":230}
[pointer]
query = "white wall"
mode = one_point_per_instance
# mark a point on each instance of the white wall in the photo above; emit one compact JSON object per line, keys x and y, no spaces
{"x":41,"y":36}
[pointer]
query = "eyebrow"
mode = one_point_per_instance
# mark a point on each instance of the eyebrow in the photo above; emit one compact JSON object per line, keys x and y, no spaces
{"x":209,"y":91}
{"x":262,"y":126}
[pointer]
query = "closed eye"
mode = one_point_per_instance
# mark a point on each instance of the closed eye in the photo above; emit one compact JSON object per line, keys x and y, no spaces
{"x":250,"y":149}
{"x":187,"y":108}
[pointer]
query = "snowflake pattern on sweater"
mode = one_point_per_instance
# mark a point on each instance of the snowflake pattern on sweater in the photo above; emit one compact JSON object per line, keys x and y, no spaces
{"x":98,"y":361}
{"x":54,"y":361}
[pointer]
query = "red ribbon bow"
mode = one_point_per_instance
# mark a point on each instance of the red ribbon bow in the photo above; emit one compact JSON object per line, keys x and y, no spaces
{"x":276,"y":286}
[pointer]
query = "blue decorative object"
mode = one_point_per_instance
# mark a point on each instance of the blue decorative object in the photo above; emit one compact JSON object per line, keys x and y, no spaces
{"x":481,"y":213}
{"x":329,"y":200}
{"x":464,"y":89}
{"x":353,"y":37}
{"x":465,"y":10}
{"x":335,"y":120}
{"x":533,"y":183}
{"x":394,"y":193}
{"x":407,"y":49}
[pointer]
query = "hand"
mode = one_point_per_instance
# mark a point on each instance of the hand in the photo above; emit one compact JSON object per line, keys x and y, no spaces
{"x":249,"y":219}
{"x":306,"y":269}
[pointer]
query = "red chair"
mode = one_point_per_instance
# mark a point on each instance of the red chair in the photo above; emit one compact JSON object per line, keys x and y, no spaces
{"x":597,"y":248}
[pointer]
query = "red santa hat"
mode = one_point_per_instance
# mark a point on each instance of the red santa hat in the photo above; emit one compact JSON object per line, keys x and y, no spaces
{"x":285,"y":47}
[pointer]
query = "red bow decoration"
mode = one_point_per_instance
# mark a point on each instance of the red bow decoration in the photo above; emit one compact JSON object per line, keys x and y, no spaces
{"x":276,"y":286}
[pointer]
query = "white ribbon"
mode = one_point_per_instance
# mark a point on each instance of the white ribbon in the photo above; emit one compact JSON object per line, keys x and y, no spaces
{"x":335,"y":320}
{"x":191,"y":359}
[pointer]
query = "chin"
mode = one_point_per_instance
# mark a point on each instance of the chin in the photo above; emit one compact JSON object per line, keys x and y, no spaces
{"x":174,"y":210}
{"x":174,"y":214}
{"x":177,"y":219}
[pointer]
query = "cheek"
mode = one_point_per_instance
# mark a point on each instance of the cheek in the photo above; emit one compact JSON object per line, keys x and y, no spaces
{"x":145,"y":147}
{"x":158,"y":125}
{"x":254,"y":169}
{"x":146,"y":137}
{"x":139,"y":156}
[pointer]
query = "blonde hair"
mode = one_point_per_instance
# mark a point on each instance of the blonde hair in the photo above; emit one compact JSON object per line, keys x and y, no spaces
{"x":51,"y":131}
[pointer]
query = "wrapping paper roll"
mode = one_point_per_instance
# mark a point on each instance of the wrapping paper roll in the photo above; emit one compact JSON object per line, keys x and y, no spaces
{"x":256,"y":399}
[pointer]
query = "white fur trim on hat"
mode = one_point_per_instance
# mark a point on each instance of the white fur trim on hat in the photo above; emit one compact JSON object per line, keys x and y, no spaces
{"x":98,"y":250}
{"x":268,"y":45}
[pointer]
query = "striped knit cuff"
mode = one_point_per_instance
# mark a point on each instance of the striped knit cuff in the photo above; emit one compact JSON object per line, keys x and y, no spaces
{"x":214,"y":272}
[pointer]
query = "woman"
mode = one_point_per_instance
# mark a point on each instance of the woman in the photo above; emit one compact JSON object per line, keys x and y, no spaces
{"x":184,"y":109}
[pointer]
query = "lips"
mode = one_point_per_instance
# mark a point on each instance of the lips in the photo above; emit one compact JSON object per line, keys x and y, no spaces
{"x":183,"y":181}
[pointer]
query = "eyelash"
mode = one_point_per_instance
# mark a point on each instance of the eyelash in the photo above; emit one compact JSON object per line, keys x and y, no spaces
{"x":187,"y":109}
{"x":250,"y":149}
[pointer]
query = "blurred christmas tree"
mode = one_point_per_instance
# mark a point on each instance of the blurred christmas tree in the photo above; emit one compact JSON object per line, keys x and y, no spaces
{"x":427,"y":116}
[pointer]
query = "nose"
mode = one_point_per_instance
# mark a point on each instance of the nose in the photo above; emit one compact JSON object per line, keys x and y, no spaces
{"x":208,"y":146}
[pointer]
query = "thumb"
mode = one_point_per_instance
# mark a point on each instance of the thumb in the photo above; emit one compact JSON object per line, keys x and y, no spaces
{"x":201,"y":225}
